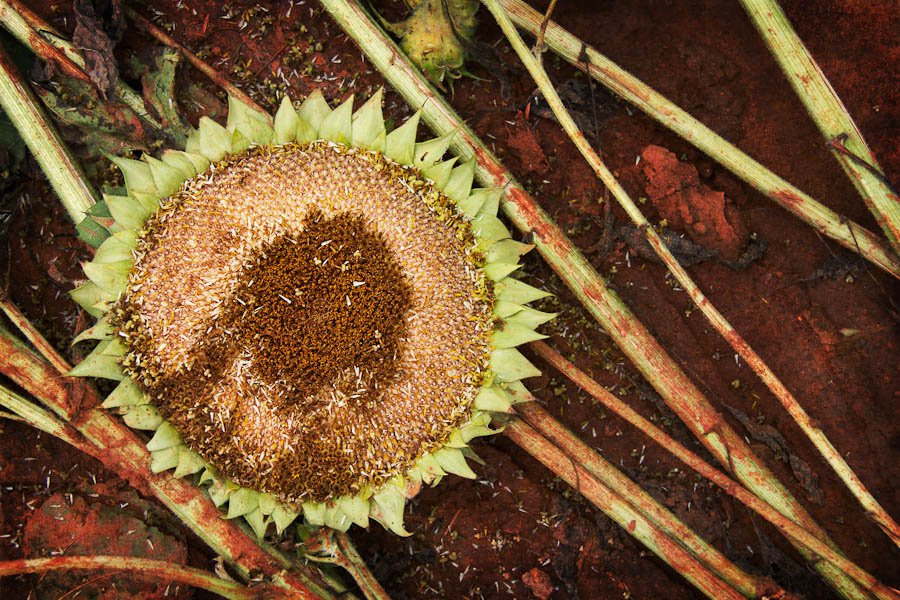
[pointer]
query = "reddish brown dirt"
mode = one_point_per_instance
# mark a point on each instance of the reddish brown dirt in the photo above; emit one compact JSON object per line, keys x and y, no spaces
{"x":833,"y":339}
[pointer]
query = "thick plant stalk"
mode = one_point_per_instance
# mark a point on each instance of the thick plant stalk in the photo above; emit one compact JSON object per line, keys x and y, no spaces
{"x":538,"y":418}
{"x":44,"y":142}
{"x":42,"y":39}
{"x":629,"y":334}
{"x":829,"y":113}
{"x":39,"y":418}
{"x":146,"y":569}
{"x":34,"y":337}
{"x":701,"y":576}
{"x":627,"y":86}
{"x":121,"y":451}
{"x":737,"y":342}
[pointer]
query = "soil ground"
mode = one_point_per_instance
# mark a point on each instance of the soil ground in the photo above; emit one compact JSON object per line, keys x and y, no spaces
{"x":824,"y":321}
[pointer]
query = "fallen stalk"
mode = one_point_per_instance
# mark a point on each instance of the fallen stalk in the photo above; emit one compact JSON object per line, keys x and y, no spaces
{"x":334,"y":547}
{"x":628,"y":333}
{"x":829,"y":113}
{"x":538,"y":418}
{"x":815,"y":434}
{"x":143,"y":568}
{"x":62,"y":171}
{"x":847,"y":233}
{"x":702,"y":576}
{"x":121,"y":451}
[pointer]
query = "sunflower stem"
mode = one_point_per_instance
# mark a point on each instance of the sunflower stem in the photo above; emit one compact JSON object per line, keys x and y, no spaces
{"x":335,"y":547}
{"x":124,"y":453}
{"x":716,"y":319}
{"x":43,"y":40}
{"x":61,"y":170}
{"x":538,"y":418}
{"x":828,"y":112}
{"x":142,"y":568}
{"x":573,"y":268}
{"x":847,"y":233}
{"x":33,"y":336}
{"x":196,"y":61}
{"x":30,"y":413}
{"x":704,"y":576}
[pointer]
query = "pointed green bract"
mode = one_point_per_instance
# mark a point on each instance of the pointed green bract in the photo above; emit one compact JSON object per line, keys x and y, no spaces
{"x":114,"y":347}
{"x":165,"y":437}
{"x":242,"y":502}
{"x":460,"y":183}
{"x":440,"y":173}
{"x":368,"y":124}
{"x":512,"y":335}
{"x":507,"y":251}
{"x":530,"y":317}
{"x":267,"y":503}
{"x":471,"y":205}
{"x":138,"y":177}
{"x":452,"y":461}
{"x":490,"y":228}
{"x":430,"y":469}
{"x":305,"y":132}
{"x":518,"y":393}
{"x":429,"y":152}
{"x":167,"y":179}
{"x":101,"y":330}
{"x":97,"y":364}
{"x":181,"y":162}
{"x":163,"y":460}
{"x":505,"y":309}
{"x":314,"y":513}
{"x":508,"y":364}
{"x":286,"y":121}
{"x":283,"y":516}
{"x":143,"y":416}
{"x":337,"y":127}
{"x":189,"y":462}
{"x":211,"y":140}
{"x":110,"y":277}
{"x":399,"y":145}
{"x":491,"y":203}
{"x":356,"y":508}
{"x":252,"y":124}
{"x":125,"y":394}
{"x":239,"y":142}
{"x":513,"y":290}
{"x":127,"y":211}
{"x":314,"y":109}
{"x":497,"y":271}
{"x":492,"y":398}
{"x":388,"y":509}
{"x":112,"y":250}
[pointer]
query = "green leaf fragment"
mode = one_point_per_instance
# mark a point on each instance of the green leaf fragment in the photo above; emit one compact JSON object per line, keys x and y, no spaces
{"x":283,"y":516}
{"x":492,"y":398}
{"x":453,"y":461}
{"x":180,"y":161}
{"x":163,"y":460}
{"x":530,"y":317}
{"x":91,"y":232}
{"x":508,"y":364}
{"x":429,"y":152}
{"x":430,"y":469}
{"x":286,"y":121}
{"x":387,"y":509}
{"x":337,"y":127}
{"x":368,"y":124}
{"x":507,"y":251}
{"x":513,"y":290}
{"x":243,"y":501}
{"x":144,"y":416}
{"x":257,"y":522}
{"x":166,"y":436}
{"x":314,"y":513}
{"x":439,"y":173}
{"x":490,"y":228}
{"x":138,"y":177}
{"x":189,"y":462}
{"x":497,"y":271}
{"x":211,"y":140}
{"x":127,"y":393}
{"x":167,"y":179}
{"x":314,"y":110}
{"x":513,"y":334}
{"x":97,"y":364}
{"x":400,"y":144}
{"x":101,"y":330}
{"x":459,"y":185}
{"x":471,"y":432}
{"x":518,"y":392}
{"x":253,"y":125}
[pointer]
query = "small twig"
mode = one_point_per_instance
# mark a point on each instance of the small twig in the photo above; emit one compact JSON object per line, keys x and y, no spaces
{"x":334,"y":547}
{"x":538,"y":49}
{"x":145,"y":569}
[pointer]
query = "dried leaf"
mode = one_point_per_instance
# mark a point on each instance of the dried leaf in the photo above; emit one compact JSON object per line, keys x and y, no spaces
{"x":98,"y":26}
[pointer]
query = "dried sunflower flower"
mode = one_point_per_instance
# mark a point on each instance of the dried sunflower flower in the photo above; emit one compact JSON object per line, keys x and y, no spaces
{"x":314,"y":317}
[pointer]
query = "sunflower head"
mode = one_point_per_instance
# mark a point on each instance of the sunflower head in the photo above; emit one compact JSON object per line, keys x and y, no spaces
{"x":313,"y":317}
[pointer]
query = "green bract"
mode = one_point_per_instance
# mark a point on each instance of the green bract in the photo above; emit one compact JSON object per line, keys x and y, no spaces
{"x":244,"y":392}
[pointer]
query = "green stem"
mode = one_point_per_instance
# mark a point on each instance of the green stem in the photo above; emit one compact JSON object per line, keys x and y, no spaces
{"x":44,"y":142}
{"x":142,"y":568}
{"x":829,"y":113}
{"x":718,"y":321}
{"x":532,"y":413}
{"x":702,"y":576}
{"x":334,"y":547}
{"x":823,"y":219}
{"x":37,"y":417}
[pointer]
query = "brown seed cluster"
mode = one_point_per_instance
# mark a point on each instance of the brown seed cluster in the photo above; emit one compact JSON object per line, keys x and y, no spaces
{"x":311,"y":318}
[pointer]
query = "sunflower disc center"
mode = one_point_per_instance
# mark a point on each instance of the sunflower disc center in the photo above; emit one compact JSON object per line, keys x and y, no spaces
{"x":318,"y":302}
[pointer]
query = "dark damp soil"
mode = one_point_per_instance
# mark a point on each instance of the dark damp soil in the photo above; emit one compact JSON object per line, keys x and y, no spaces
{"x":826,"y":322}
